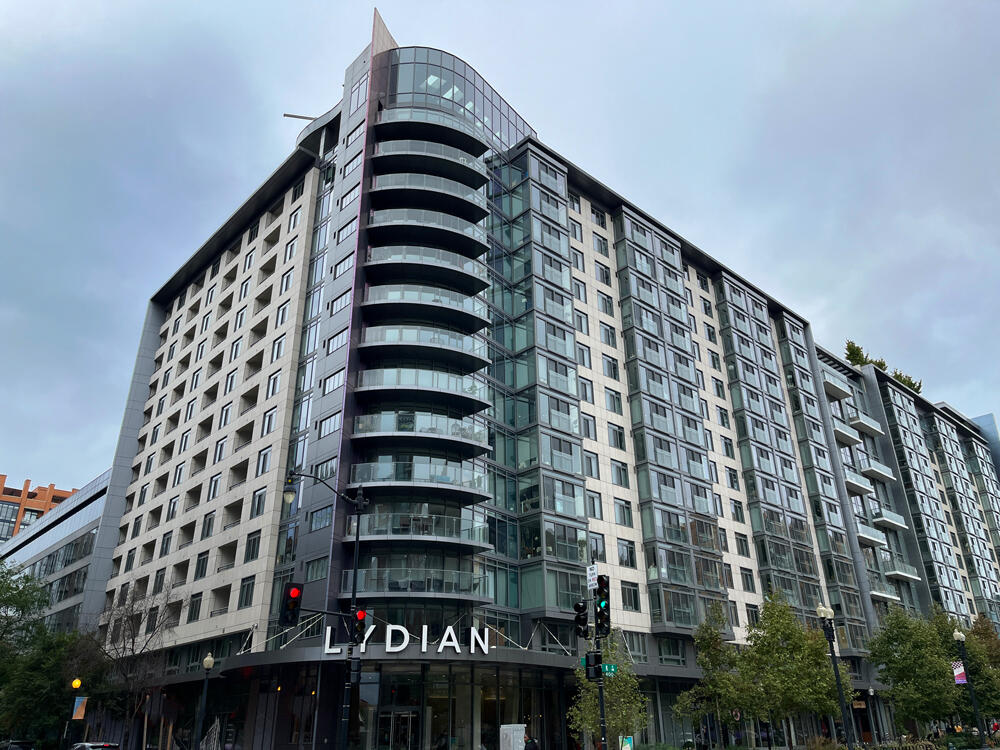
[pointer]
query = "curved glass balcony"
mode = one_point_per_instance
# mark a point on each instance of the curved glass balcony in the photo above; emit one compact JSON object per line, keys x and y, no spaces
{"x":412,"y":155}
{"x":392,"y":301}
{"x":409,"y":190}
{"x":417,"y":263}
{"x":431,"y":124}
{"x":420,"y":423}
{"x":417,"y":225}
{"x":459,"y":349}
{"x":458,"y":477}
{"x":405,"y":526}
{"x":411,"y":581}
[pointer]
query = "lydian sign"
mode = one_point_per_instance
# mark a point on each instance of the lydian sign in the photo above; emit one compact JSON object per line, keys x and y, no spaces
{"x":398,"y":638}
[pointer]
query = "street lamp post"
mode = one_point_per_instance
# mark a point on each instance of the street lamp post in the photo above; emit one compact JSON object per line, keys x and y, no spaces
{"x":871,"y":714}
{"x":208,"y":662}
{"x":959,"y":637}
{"x":825,"y":615}
{"x":353,"y":662}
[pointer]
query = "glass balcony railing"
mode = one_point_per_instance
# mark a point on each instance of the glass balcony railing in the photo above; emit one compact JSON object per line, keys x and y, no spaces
{"x":870,"y":466}
{"x":429,"y":294}
{"x":861,"y":421}
{"x":420,"y":423}
{"x":409,"y":114}
{"x":880,"y":586}
{"x":386,"y":148}
{"x":845,"y":432}
{"x":413,"y":334}
{"x":411,"y":580}
{"x":894,"y":565}
{"x":425,"y":216}
{"x":869,"y":534}
{"x":409,"y":526}
{"x":429,"y":182}
{"x":886,"y":517}
{"x":453,"y":473}
{"x":445,"y":382}
{"x":430,"y":256}
{"x":835,"y":385}
{"x":857,"y":483}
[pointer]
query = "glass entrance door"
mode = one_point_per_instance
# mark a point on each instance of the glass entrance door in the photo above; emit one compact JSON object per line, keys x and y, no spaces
{"x":399,"y":730}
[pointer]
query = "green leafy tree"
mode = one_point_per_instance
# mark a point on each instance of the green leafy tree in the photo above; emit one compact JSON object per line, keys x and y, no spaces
{"x":721,"y":689}
{"x":907,"y":380}
{"x":785,"y":669}
{"x":625,"y":705}
{"x":915,"y":664}
{"x":22,"y":599}
{"x":857,"y":356}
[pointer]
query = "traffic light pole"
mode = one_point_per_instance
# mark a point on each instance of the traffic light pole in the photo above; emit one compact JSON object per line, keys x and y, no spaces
{"x":600,"y":683}
{"x":353,"y":676}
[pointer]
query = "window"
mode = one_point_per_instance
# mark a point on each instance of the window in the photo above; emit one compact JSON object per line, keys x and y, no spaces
{"x":347,"y":230}
{"x":619,"y":473}
{"x":737,"y":511}
{"x":165,"y":542}
{"x":753,"y":615}
{"x":630,"y":597}
{"x":602,"y":273}
{"x":626,"y":553}
{"x":723,"y":416}
{"x":742,"y":545}
{"x":208,"y":525}
{"x":200,"y":351}
{"x":351,"y":195}
{"x":273,"y":384}
{"x":355,"y":134}
{"x":586,"y":390}
{"x":281,"y":316}
{"x":594,"y":507}
{"x":583,"y":355}
{"x":286,"y":280}
{"x":746,"y":580}
{"x":264,"y":461}
{"x":248,"y":261}
{"x":337,"y":341}
{"x":201,"y":566}
{"x":601,"y":245}
{"x":613,"y":400}
{"x":616,"y":436}
{"x":178,"y":474}
{"x":320,"y":519}
{"x":610,"y":367}
{"x":623,"y":512}
{"x":710,"y":333}
{"x":341,"y":268}
{"x":172,"y":508}
{"x":158,"y":581}
{"x":719,"y":388}
{"x":608,"y":335}
{"x":246,"y":593}
{"x":588,"y":427}
{"x":574,"y":202}
{"x":252,"y":549}
{"x":244,"y":289}
{"x":333,"y":382}
{"x":597,"y":216}
{"x":605,"y":304}
{"x":293,"y":218}
{"x":317,"y":569}
{"x":214,"y":485}
{"x":590,"y":465}
{"x":352,"y":164}
{"x":359,"y":93}
{"x":330,"y":424}
{"x":575,"y":230}
{"x":581,"y":322}
{"x":714,"y":359}
{"x":230,"y":382}
{"x":220,"y":450}
{"x":194,"y":608}
{"x":597,"y":551}
{"x":235,"y":348}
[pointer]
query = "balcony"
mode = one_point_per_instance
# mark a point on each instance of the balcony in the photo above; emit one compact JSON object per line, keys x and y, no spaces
{"x":882,"y":589}
{"x":836,"y":387}
{"x":452,"y":349}
{"x":845,"y":434}
{"x":417,"y":226}
{"x":413,"y":155}
{"x":461,"y":480}
{"x":414,"y":263}
{"x":430,"y":303}
{"x":863,"y":423}
{"x":888,"y":519}
{"x":409,"y":190}
{"x":871,"y":536}
{"x":403,"y":527}
{"x":423,"y":430}
{"x":856,"y":483}
{"x":449,"y":389}
{"x":876,"y":470}
{"x":894,"y":567}
{"x":417,"y":582}
{"x":430,"y":125}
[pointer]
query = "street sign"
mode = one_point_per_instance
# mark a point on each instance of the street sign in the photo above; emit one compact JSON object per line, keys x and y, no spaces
{"x":591,"y":577}
{"x":609,"y":668}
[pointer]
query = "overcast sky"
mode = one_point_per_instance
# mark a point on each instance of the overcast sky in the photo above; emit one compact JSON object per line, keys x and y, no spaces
{"x":842,"y":155}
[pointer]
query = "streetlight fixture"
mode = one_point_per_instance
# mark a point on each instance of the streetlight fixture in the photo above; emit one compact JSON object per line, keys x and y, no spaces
{"x":208,"y":662}
{"x":959,"y":637}
{"x":289,"y":495}
{"x":871,"y":715}
{"x":825,"y":615}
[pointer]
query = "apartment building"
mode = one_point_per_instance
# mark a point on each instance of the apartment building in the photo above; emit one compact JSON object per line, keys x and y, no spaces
{"x":523,"y":372}
{"x":22,"y":506}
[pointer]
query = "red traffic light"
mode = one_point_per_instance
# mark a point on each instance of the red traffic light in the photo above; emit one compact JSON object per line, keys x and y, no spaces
{"x":294,"y":592}
{"x":361,"y":615}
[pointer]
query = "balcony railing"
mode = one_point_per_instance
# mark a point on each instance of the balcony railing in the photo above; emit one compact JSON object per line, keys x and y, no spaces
{"x":445,"y":382}
{"x":429,"y":182}
{"x":415,"y":334}
{"x":885,"y":517}
{"x":869,"y":535}
{"x":417,"y":580}
{"x":420,"y":423}
{"x":429,"y":255}
{"x":387,"y":148}
{"x":414,"y":526}
{"x":427,"y":294}
{"x":426,"y":216}
{"x":456,"y":475}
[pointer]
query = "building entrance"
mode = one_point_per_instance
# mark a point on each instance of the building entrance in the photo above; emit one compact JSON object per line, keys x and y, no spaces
{"x":398,"y":730}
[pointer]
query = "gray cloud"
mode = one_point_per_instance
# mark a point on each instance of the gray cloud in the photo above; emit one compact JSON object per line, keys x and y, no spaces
{"x":843,"y":157}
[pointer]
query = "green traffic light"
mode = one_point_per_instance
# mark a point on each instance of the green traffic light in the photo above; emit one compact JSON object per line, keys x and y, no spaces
{"x":602,"y":604}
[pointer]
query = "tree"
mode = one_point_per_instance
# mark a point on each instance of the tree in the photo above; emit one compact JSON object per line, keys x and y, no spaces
{"x":22,"y":600}
{"x":914,"y":663}
{"x":625,"y":705}
{"x":721,"y":688}
{"x":857,"y":356}
{"x":785,"y":669}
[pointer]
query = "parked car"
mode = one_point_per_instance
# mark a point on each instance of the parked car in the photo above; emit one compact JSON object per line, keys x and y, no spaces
{"x":95,"y":746}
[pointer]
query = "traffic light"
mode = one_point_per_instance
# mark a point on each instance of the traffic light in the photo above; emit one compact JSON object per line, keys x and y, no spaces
{"x":594,"y":661}
{"x":291,"y":602}
{"x":582,"y":619}
{"x":360,"y":626}
{"x":602,"y":607}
